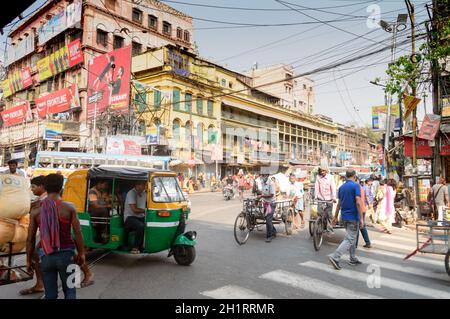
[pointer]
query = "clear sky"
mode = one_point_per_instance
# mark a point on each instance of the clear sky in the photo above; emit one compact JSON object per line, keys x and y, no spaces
{"x":343,"y":93}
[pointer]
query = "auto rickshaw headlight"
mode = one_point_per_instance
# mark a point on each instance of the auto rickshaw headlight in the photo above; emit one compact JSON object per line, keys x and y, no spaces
{"x":191,"y":235}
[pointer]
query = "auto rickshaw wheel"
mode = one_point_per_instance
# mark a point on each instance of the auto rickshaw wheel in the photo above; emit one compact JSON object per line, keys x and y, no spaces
{"x":184,"y":254}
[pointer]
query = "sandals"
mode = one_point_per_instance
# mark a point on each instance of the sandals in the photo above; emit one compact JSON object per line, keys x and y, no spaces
{"x":135,"y":251}
{"x":30,"y":291}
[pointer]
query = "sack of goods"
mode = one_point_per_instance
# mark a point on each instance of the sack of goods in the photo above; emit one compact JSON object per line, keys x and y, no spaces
{"x":14,"y":212}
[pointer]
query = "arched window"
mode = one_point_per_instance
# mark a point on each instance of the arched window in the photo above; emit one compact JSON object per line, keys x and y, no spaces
{"x":157,"y":122}
{"x":176,"y":99}
{"x":212,"y":135}
{"x":176,"y":129}
{"x":188,"y":133}
{"x":200,"y":105}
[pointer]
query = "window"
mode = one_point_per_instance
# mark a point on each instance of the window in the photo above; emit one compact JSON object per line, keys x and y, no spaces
{"x":110,"y":4}
{"x":200,"y":105}
{"x":176,"y":130}
{"x":118,"y":42}
{"x":200,"y":133}
{"x":102,"y":37}
{"x":157,"y":100}
{"x":136,"y":48}
{"x":176,"y":99}
{"x":188,"y":133}
{"x":167,"y":28}
{"x":179,"y":33}
{"x":230,"y":85}
{"x":304,"y":86}
{"x":187,"y":36}
{"x":140,"y":99}
{"x":153,"y":22}
{"x":166,"y":190}
{"x":188,"y":102}
{"x":210,"y":108}
{"x":137,"y":15}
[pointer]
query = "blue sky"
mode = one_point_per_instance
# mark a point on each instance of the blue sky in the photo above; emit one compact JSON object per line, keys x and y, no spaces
{"x":343,"y":93}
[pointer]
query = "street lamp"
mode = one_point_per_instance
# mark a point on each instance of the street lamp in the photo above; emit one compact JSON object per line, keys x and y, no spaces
{"x":394,"y":28}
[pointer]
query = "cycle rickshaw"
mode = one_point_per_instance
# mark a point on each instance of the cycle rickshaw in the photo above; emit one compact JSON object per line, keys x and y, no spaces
{"x":252,"y":216}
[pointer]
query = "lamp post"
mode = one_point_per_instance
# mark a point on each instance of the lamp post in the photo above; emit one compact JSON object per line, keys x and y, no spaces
{"x":394,"y":28}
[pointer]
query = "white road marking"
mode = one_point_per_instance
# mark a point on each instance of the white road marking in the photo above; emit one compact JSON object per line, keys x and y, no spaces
{"x":400,"y":238}
{"x":409,"y":248}
{"x":233,"y":292}
{"x":402,"y":267}
{"x":314,"y":285}
{"x":385,"y":282}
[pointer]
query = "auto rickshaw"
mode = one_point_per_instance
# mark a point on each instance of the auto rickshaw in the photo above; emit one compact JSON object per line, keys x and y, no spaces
{"x":165,"y":217}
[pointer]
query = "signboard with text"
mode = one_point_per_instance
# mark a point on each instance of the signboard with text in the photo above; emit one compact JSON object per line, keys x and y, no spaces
{"x":379,"y":117}
{"x":53,"y":131}
{"x":124,"y":145}
{"x":430,"y":126}
{"x":17,"y":115}
{"x":58,"y":101}
{"x":423,"y":148}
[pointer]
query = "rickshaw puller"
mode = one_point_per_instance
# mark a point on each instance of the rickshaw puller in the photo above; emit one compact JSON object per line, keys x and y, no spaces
{"x":268,"y":197}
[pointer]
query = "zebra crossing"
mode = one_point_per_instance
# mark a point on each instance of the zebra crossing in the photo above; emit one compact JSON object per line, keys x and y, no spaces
{"x":383,"y":274}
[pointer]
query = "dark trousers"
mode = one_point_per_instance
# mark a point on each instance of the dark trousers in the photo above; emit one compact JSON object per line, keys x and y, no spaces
{"x":270,"y":229}
{"x":364,"y":233}
{"x":51,"y":266}
{"x":137,"y":225}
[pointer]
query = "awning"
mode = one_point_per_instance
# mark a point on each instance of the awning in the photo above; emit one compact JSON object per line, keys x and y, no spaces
{"x":120,"y":172}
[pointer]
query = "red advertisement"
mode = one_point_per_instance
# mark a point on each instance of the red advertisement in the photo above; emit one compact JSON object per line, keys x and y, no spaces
{"x":445,"y":146}
{"x":57,"y":102}
{"x":109,"y":82}
{"x":75,"y":53}
{"x":17,"y":114}
{"x":430,"y":126}
{"x":424,"y":150}
{"x":26,"y":77}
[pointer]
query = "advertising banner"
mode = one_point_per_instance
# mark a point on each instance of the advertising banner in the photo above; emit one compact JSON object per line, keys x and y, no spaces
{"x":124,"y":145}
{"x":17,"y":81}
{"x":430,"y":127}
{"x":53,"y":131}
{"x":445,"y":107}
{"x":58,"y":101}
{"x":26,"y":77}
{"x":62,"y":20}
{"x":6,"y":88}
{"x":410,"y":103}
{"x":379,"y":115}
{"x":17,"y":114}
{"x":445,"y":146}
{"x":153,"y":136}
{"x":61,"y":60}
{"x":109,"y":82}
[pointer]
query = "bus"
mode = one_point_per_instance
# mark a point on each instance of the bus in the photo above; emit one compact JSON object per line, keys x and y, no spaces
{"x":74,"y":160}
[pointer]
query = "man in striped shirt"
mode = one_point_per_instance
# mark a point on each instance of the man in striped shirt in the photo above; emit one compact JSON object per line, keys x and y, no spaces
{"x":325,"y":193}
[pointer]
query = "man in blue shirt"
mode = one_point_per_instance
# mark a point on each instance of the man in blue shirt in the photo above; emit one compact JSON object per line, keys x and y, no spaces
{"x":352,"y":217}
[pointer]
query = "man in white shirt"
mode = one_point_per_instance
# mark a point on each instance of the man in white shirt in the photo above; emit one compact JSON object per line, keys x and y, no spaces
{"x":13,"y":169}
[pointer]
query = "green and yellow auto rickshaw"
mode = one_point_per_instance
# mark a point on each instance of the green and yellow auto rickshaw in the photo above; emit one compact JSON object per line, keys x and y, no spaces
{"x":165,"y":215}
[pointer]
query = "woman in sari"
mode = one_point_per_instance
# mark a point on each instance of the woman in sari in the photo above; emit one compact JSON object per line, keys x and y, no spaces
{"x":388,"y":213}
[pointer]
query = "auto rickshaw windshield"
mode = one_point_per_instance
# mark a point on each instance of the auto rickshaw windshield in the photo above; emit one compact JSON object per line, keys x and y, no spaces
{"x":165,"y":189}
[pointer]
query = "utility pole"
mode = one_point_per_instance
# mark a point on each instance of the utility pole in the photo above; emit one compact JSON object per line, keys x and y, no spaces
{"x":410,"y":8}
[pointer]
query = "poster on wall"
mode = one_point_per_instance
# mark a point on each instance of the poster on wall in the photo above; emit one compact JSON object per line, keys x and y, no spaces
{"x":152,"y":136}
{"x":109,"y":82}
{"x":59,"y":101}
{"x":124,"y":145}
{"x":60,"y":60}
{"x":379,"y":117}
{"x":17,"y":115}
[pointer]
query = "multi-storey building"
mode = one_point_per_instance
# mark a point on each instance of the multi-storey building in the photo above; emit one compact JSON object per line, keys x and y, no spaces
{"x":53,"y":31}
{"x":296,"y":94}
{"x":352,"y":146}
{"x":192,"y":99}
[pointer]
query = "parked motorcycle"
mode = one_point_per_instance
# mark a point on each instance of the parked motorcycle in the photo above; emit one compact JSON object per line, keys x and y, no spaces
{"x":228,"y":192}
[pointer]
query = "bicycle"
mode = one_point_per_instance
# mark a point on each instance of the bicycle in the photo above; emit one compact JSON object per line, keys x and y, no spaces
{"x":321,"y":222}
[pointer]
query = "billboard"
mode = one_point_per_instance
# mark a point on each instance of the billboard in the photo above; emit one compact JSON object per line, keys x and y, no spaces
{"x":17,"y":81}
{"x":430,"y":126}
{"x":53,"y":131}
{"x":379,"y":117}
{"x":60,"y":60}
{"x":58,"y":101}
{"x":62,"y":20}
{"x":109,"y":82}
{"x":153,"y":136}
{"x":124,"y":145}
{"x":17,"y":114}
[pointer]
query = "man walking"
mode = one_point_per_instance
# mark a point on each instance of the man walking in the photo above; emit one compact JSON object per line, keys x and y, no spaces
{"x":440,"y":195}
{"x":268,"y":198}
{"x":325,"y":193}
{"x":12,"y":164}
{"x":352,"y":217}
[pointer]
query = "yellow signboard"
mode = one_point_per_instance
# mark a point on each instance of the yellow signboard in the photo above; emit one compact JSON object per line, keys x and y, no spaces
{"x":44,"y":68}
{"x":6,"y":88}
{"x":411,"y":103}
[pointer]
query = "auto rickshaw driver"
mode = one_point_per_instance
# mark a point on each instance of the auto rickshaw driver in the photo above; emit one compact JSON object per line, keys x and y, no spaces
{"x":134,"y":215}
{"x":98,"y":207}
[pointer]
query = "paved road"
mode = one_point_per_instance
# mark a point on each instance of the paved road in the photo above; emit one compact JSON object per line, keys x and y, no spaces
{"x":288,"y":267}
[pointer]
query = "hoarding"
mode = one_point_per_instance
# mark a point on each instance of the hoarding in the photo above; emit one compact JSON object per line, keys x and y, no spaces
{"x":53,"y":131}
{"x":109,"y":82}
{"x":17,"y":115}
{"x":445,"y":107}
{"x":379,"y":116}
{"x":62,"y":20}
{"x":430,"y":127}
{"x":423,"y":149}
{"x":58,"y":101}
{"x":17,"y":81}
{"x":124,"y":145}
{"x":60,"y":60}
{"x":153,"y":136}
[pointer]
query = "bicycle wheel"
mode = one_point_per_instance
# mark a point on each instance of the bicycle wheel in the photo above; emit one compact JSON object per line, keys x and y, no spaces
{"x":447,"y":262}
{"x":318,"y":234}
{"x":241,"y":228}
{"x":311,"y":227}
{"x":288,"y":221}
